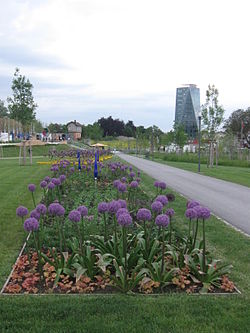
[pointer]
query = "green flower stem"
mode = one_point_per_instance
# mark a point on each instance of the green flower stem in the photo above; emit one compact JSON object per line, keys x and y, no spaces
{"x":189,"y":229}
{"x":163,"y":249}
{"x":38,"y":249}
{"x":124,"y":236}
{"x":82,"y":236}
{"x":170,"y":230}
{"x":60,"y":235}
{"x":115,"y":233}
{"x":204,"y":248}
{"x":33,"y":198}
{"x":105,"y":227}
{"x":195,"y":235}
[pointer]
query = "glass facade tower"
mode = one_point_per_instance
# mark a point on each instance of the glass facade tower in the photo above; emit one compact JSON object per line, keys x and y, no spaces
{"x":187,"y":109}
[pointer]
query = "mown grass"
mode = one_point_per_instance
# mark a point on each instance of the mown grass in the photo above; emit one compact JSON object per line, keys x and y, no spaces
{"x":129,"y":313}
{"x":43,"y":150}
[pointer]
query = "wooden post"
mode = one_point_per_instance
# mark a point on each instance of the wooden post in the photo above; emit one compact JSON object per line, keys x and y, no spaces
{"x":217,"y":154}
{"x":1,"y":152}
{"x":30,"y":147}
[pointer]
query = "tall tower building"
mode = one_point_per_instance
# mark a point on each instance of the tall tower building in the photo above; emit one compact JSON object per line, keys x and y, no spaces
{"x":187,"y":108}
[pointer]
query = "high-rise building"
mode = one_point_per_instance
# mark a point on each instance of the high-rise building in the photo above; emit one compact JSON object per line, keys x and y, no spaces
{"x":187,"y":108}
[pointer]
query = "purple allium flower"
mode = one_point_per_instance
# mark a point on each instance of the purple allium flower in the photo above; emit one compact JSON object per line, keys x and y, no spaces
{"x":74,"y":216}
{"x":132,"y":174}
{"x":163,"y":199}
{"x":198,"y":211}
{"x":56,"y":181}
{"x":83,"y":210}
{"x":47,"y":179}
{"x":114,"y":206}
{"x":121,"y":211}
{"x":123,"y":203}
{"x":191,"y":213}
{"x":139,"y":173}
{"x":162,"y":185}
{"x":138,"y":179}
{"x":116,"y":183}
{"x":171,"y":197}
{"x":130,"y":168}
{"x":51,"y":186}
{"x":204,"y":213}
{"x":157,"y":206}
{"x":134,"y":184}
{"x":62,"y":178}
{"x":156,"y":183}
{"x":170,"y":212}
{"x":31,"y":224}
{"x":32,"y":187}
{"x":102,"y":207}
{"x":90,"y":217}
{"x":21,"y":211}
{"x":42,"y":209}
{"x":162,"y":220}
{"x":43,"y":184}
{"x":192,"y":204}
{"x":34,"y":213}
{"x":72,"y":169}
{"x":122,"y":187}
{"x":56,"y":209}
{"x":143,"y":214}
{"x":124,"y":179}
{"x":124,"y":219}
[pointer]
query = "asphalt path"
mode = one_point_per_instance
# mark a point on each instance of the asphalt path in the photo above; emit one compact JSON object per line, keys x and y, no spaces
{"x":227,"y":200}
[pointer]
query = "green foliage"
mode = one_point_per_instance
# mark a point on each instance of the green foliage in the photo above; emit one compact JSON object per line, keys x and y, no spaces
{"x":86,"y":263}
{"x":164,"y":277}
{"x":212,"y":113}
{"x":3,"y":109}
{"x":180,"y":136}
{"x":22,"y":106}
{"x":234,"y":123}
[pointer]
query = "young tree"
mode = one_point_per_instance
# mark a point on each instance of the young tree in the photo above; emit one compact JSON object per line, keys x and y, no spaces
{"x":212,"y":117}
{"x":180,"y":136}
{"x":3,"y":109}
{"x":22,"y":106}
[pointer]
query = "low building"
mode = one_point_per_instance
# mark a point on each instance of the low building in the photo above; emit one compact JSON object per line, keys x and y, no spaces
{"x":74,"y":130}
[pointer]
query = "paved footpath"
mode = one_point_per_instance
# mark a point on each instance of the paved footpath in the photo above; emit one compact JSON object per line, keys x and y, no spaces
{"x":227,"y":200}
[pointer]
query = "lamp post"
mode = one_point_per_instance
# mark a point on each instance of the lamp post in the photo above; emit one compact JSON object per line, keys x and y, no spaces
{"x":199,"y":149}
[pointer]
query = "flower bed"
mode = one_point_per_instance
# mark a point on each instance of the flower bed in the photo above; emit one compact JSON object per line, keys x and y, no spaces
{"x":103,"y":234}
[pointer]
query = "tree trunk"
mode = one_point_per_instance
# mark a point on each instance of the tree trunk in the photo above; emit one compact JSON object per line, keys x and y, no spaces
{"x":217,"y":154}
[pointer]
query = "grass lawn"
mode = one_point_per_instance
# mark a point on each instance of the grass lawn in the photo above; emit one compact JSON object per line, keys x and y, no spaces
{"x":238,"y":175}
{"x":13,"y":151}
{"x":120,"y":313}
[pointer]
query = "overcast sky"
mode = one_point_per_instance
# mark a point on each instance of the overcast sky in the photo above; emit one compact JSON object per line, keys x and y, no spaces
{"x":92,"y":58}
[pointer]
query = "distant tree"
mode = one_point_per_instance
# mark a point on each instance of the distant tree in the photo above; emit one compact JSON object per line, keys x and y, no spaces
{"x":238,"y":123}
{"x":3,"y":109}
{"x":22,"y":106}
{"x":57,"y":128}
{"x":93,"y":132}
{"x":180,"y":136}
{"x":111,"y":127}
{"x":130,"y":129}
{"x":212,"y":117}
{"x":37,"y":126}
{"x":167,"y":138}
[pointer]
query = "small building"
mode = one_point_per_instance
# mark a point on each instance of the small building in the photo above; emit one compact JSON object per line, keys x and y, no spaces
{"x":74,"y":130}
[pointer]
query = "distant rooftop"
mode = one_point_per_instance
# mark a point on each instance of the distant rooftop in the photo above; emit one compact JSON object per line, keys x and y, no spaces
{"x":188,"y":85}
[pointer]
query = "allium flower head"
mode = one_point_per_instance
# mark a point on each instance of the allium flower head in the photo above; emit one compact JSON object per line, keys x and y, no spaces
{"x":124,"y":219}
{"x":191,"y":213}
{"x":34,"y":213}
{"x":162,"y":185}
{"x":156,"y":183}
{"x":114,"y":206}
{"x":143,"y":214}
{"x":163,"y":199}
{"x":170,"y":212}
{"x":56,"y":181}
{"x":171,"y":197}
{"x":157,"y":206}
{"x":102,"y":207}
{"x":192,"y":204}
{"x":132,"y":174}
{"x":21,"y":211}
{"x":74,"y":216}
{"x":122,"y":187}
{"x":124,"y":179}
{"x":123,"y":203}
{"x":198,"y":211}
{"x":51,"y":186}
{"x":83,"y":210}
{"x":121,"y":211}
{"x":31,"y":224}
{"x":43,"y":184}
{"x":62,"y":178}
{"x":134,"y":184}
{"x":32,"y":187}
{"x":56,"y":209}
{"x":162,"y":220}
{"x":204,"y":213}
{"x":72,"y":169}
{"x":116,"y":183}
{"x":42,"y":209}
{"x":47,"y":179}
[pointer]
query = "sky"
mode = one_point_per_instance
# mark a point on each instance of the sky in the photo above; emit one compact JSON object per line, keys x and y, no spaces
{"x":89,"y":59}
